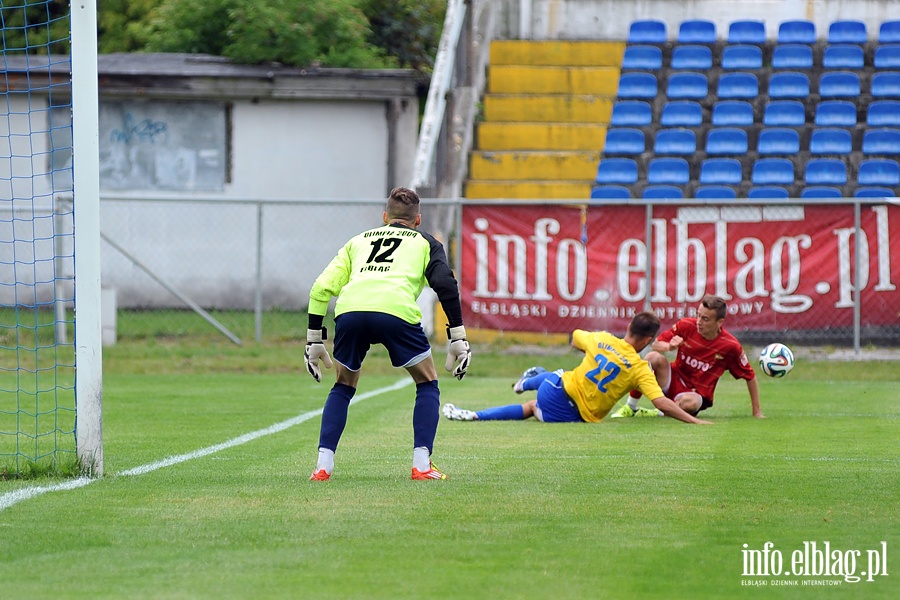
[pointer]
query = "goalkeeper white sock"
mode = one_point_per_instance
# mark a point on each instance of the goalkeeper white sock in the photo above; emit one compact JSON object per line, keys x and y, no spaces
{"x":326,"y":460}
{"x":421,"y":459}
{"x":633,"y":403}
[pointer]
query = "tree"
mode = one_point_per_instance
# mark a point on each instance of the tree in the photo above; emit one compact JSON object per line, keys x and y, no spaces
{"x":25,"y":26}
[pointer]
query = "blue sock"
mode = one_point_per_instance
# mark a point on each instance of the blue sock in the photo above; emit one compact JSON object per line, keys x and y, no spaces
{"x":426,"y":414}
{"x":535,"y":382}
{"x":513,"y":412}
{"x":334,"y":415}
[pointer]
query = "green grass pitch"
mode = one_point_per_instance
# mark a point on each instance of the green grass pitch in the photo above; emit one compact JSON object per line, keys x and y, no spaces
{"x":639,"y":508}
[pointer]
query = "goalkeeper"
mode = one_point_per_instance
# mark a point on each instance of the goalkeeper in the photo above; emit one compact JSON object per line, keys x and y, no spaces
{"x":377,"y":277}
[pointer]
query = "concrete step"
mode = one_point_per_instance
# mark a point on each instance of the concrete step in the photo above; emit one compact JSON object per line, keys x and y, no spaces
{"x":547,"y":108}
{"x":541,"y":136}
{"x":520,"y":165}
{"x":580,"y":190}
{"x":557,"y":53}
{"x":518,"y":79}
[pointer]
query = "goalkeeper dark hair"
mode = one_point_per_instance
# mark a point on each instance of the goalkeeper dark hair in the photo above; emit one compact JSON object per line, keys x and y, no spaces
{"x":714,"y":303}
{"x":644,"y":324}
{"x":403,"y":203}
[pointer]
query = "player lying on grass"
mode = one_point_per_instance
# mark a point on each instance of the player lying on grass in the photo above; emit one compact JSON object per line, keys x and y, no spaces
{"x":611,"y":366}
{"x":704,"y":352}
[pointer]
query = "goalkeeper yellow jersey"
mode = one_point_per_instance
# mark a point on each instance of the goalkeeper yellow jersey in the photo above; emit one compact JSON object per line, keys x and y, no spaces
{"x":610,"y":369}
{"x":384,"y":270}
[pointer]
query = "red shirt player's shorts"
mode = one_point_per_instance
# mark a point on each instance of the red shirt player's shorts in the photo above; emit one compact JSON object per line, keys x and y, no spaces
{"x":677,"y":385}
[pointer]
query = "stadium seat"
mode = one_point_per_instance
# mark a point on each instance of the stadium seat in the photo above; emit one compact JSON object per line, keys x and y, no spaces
{"x":879,"y":171}
{"x":778,"y":140}
{"x":747,"y":32}
{"x":821,"y":191}
{"x":741,"y":56}
{"x":647,"y":31}
{"x":617,"y":170}
{"x":881,"y":141}
{"x":726,"y":140}
{"x":887,"y":57}
{"x":830,"y":141}
{"x":792,"y":56}
{"x":886,"y":84}
{"x":789,"y":84}
{"x":687,"y":85}
{"x":668,"y":170}
{"x":732,"y":113}
{"x":797,"y":32}
{"x":889,"y":32}
{"x":825,"y":171}
{"x":883,"y":113}
{"x":662,"y":192}
{"x":847,"y":32}
{"x":772,"y":171}
{"x":681,"y":113}
{"x":642,"y":57}
{"x":874,"y":192}
{"x":784,"y":113}
{"x":691,"y":57}
{"x":637,"y":85}
{"x":835,"y":113}
{"x":840,"y":84}
{"x":624,"y":140}
{"x":631,"y":113}
{"x":738,"y":85}
{"x":843,"y":56}
{"x":715,"y":192}
{"x":675,"y":141}
{"x":721,"y":171}
{"x":610,"y":192}
{"x":768,"y":192}
{"x":697,"y":31}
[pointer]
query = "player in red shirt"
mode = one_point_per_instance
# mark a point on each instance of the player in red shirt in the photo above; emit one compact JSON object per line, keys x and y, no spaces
{"x":704,"y":352}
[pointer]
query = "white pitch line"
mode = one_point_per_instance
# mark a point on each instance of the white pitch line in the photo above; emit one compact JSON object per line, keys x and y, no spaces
{"x":11,"y":498}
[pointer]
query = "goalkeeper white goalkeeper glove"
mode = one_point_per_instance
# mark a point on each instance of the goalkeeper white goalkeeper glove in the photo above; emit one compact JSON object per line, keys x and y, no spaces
{"x":315,"y":350}
{"x":458,"y":354}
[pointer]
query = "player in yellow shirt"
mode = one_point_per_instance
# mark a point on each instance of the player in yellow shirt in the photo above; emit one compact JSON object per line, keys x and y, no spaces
{"x":611,"y":367}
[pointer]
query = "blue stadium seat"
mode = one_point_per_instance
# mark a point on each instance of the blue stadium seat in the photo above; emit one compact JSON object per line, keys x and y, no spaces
{"x":887,"y":57}
{"x":883,"y":113}
{"x":821,"y":191}
{"x":642,"y":57}
{"x":886,"y":84}
{"x":889,"y":33}
{"x":843,"y":56}
{"x":721,"y":171}
{"x":617,"y":170}
{"x":624,"y":140}
{"x":631,"y":113}
{"x":772,"y":171}
{"x":830,"y":141}
{"x":715,"y":192}
{"x":768,"y":192}
{"x":825,"y":171}
{"x":784,"y":113}
{"x":668,"y":170}
{"x":687,"y":85}
{"x":880,"y":171}
{"x":747,"y":32}
{"x":647,"y":31}
{"x":881,"y":141}
{"x":835,"y":113}
{"x":840,"y":84}
{"x":726,"y":140}
{"x":874,"y":192}
{"x":847,"y":32}
{"x":792,"y":56}
{"x":742,"y":56}
{"x":738,"y":85}
{"x":675,"y":141}
{"x":697,"y":31}
{"x":637,"y":85}
{"x":610,"y":192}
{"x":691,"y":57}
{"x":797,"y":32}
{"x":662,"y":192}
{"x":681,"y":113}
{"x":789,"y":84}
{"x":732,"y":113}
{"x":778,"y":140}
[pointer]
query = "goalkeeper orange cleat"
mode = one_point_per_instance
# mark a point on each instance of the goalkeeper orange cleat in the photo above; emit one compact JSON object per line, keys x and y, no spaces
{"x":320,"y":475}
{"x":431,"y":473}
